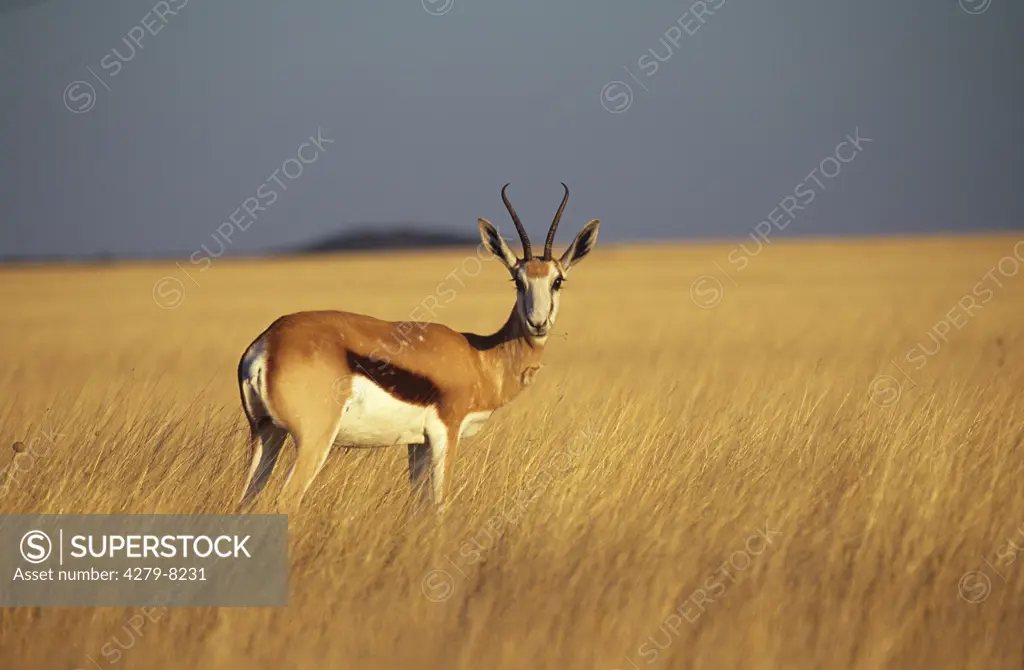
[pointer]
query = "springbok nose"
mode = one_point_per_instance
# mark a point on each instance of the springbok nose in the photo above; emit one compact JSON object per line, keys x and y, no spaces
{"x":536,"y":325}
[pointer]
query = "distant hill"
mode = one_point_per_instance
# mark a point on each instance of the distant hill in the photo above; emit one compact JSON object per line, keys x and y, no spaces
{"x":375,"y":237}
{"x":390,"y":237}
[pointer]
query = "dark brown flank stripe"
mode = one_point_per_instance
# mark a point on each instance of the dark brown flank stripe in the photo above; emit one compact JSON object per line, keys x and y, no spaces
{"x":397,"y":382}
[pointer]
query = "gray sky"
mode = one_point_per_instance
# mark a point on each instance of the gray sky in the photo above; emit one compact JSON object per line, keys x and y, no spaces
{"x":431,"y":113}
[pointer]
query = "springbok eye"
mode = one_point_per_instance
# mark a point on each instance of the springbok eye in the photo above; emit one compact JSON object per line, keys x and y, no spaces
{"x":520,"y":286}
{"x":557,"y":283}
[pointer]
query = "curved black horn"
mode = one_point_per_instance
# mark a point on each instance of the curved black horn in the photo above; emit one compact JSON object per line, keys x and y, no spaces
{"x":527,"y":251}
{"x":554,"y":225}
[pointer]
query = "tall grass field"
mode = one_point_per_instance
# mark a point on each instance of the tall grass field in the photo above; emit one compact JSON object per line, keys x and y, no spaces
{"x":814,"y":460}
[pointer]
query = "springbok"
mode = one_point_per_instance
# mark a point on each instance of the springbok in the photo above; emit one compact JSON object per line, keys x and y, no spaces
{"x":319,"y":376}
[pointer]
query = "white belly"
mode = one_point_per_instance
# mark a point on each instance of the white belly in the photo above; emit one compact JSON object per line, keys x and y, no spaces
{"x":374,"y":418}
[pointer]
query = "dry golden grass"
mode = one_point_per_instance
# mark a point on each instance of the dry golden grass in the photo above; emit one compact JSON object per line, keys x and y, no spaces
{"x":657,"y":442}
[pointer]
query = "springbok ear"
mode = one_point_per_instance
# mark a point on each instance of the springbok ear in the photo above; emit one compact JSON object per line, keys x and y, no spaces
{"x":493,"y":242}
{"x":581,"y":246}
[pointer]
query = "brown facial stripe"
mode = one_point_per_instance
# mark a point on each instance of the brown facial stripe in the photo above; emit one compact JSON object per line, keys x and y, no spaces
{"x":400,"y":383}
{"x":536,"y":269}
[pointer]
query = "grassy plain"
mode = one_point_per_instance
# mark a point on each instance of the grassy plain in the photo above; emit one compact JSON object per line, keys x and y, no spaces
{"x":746,"y":482}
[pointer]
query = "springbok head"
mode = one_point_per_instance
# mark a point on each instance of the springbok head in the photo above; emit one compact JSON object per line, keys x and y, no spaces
{"x":538,"y":281}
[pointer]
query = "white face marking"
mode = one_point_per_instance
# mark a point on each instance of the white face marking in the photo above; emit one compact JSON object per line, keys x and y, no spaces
{"x":537,"y":299}
{"x":372,"y":417}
